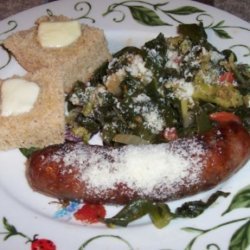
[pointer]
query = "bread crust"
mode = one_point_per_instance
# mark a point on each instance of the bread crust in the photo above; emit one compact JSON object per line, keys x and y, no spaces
{"x":45,"y":123}
{"x":77,"y":61}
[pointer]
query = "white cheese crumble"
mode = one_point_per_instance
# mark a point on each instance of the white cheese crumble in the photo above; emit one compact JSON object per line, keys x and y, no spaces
{"x":154,"y":55}
{"x":141,"y":98}
{"x":137,"y":69}
{"x":204,"y":51}
{"x":153,"y":121}
{"x":112,"y":63}
{"x":74,"y":98}
{"x":173,"y":59}
{"x":183,"y":90}
{"x":210,"y":77}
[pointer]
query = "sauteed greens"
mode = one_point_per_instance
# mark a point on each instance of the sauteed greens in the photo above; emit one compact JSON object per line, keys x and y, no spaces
{"x":160,"y":213}
{"x":164,"y":90}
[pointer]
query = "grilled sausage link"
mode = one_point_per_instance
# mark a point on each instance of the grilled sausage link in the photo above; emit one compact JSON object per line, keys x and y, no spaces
{"x":160,"y":172}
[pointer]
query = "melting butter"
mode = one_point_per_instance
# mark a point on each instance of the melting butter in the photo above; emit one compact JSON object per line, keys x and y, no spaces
{"x":58,"y":34}
{"x":18,"y":96}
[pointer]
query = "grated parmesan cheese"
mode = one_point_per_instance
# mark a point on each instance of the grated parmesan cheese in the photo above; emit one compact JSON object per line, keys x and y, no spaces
{"x":137,"y":69}
{"x":153,"y":121}
{"x":141,"y":98}
{"x":150,"y":114}
{"x":173,"y":59}
{"x":146,"y":169}
{"x":183,"y":89}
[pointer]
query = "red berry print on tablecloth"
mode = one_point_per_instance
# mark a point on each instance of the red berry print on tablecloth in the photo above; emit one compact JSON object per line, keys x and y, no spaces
{"x":42,"y":244}
{"x":36,"y":243}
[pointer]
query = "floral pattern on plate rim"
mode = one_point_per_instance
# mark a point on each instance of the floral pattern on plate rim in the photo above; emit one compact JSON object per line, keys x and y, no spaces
{"x":147,"y":13}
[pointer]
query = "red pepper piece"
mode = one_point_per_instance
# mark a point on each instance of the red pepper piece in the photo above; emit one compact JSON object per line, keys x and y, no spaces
{"x":170,"y":134}
{"x":226,"y":77}
{"x":224,"y":117}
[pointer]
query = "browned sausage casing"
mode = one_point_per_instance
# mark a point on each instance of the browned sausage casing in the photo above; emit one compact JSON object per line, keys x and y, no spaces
{"x":160,"y":172}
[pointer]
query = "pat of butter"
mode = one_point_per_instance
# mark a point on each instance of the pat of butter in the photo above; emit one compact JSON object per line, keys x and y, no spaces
{"x":58,"y":34}
{"x":18,"y":96}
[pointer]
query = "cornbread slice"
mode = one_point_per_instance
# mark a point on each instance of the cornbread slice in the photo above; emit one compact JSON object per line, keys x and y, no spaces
{"x":44,"y":124}
{"x":76,"y":61}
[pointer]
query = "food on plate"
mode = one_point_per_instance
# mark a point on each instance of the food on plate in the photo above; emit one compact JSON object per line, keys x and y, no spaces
{"x":173,"y":115}
{"x":160,"y":172}
{"x":166,"y":89}
{"x":75,"y":50}
{"x":157,"y":110}
{"x":32,"y":110}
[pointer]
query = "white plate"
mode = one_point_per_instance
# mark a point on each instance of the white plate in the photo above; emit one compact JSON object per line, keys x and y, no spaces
{"x":125,"y":24}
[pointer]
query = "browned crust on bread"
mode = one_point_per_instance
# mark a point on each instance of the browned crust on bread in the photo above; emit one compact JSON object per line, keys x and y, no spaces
{"x":227,"y":148}
{"x":75,"y":62}
{"x":44,"y":124}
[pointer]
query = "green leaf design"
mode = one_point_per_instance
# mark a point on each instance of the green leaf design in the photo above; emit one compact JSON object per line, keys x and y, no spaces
{"x":193,"y":230}
{"x":185,"y":10}
{"x":12,"y":23}
{"x":241,"y":238}
{"x":190,"y":244}
{"x":219,"y":24}
{"x":240,"y":200}
{"x":236,"y":240}
{"x":49,"y":12}
{"x":12,"y":231}
{"x":9,"y":57}
{"x":222,"y":34}
{"x":146,"y":16}
{"x":84,"y":7}
{"x":243,"y":46}
{"x":156,"y":6}
{"x":84,"y":245}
